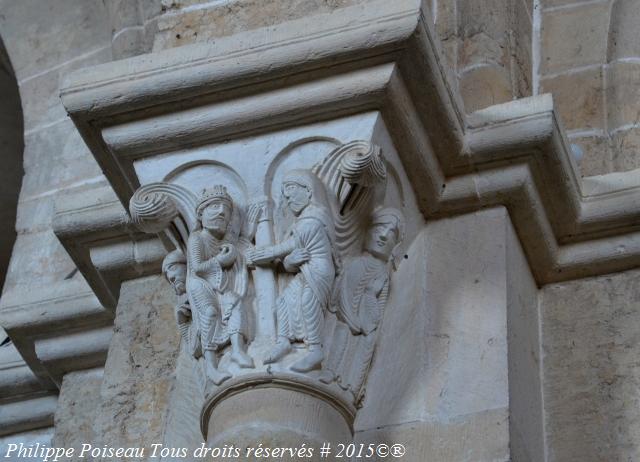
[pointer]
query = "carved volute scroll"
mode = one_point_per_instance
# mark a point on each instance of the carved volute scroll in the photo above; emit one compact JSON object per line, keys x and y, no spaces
{"x":355,"y":174}
{"x":156,"y":206}
{"x":329,"y":259}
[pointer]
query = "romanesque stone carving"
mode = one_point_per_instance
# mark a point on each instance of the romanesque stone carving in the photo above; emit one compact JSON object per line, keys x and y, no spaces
{"x":359,"y":298}
{"x":306,"y":249}
{"x":174,"y":267}
{"x":217,"y":281}
{"x":355,"y":175}
{"x":155,"y":206}
{"x":324,"y":255}
{"x":211,"y":269}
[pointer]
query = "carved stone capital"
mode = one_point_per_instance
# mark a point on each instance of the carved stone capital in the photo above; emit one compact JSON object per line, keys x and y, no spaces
{"x":315,"y":220}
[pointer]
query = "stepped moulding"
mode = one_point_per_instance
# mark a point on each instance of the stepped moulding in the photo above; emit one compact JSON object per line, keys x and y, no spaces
{"x":383,"y":56}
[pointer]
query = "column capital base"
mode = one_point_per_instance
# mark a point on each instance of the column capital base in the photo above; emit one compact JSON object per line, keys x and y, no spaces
{"x":275,"y":380}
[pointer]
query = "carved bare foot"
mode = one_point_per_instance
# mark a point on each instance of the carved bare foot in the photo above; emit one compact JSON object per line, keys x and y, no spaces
{"x":309,"y":362}
{"x":283,"y":346}
{"x":217,"y":376}
{"x":242,"y":359}
{"x":211,"y":367}
{"x":239,"y":355}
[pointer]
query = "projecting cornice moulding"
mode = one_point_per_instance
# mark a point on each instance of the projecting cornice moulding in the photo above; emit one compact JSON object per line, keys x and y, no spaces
{"x":61,"y":328}
{"x":379,"y":56}
{"x":103,"y":242}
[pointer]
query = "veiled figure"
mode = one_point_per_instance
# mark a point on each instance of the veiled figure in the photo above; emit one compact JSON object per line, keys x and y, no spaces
{"x":306,"y":249}
{"x":217,"y":282}
{"x":359,"y":298}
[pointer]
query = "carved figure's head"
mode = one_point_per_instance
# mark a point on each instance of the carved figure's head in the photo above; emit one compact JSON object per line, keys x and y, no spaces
{"x":214,"y":210}
{"x":174,"y":267}
{"x":385,"y":233}
{"x":298,"y":189}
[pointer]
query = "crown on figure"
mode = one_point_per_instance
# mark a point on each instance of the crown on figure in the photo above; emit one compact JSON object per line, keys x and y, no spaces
{"x":217,"y":193}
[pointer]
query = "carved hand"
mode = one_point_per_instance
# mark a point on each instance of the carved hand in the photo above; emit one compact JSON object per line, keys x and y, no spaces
{"x":227,"y":255}
{"x":255,"y":211}
{"x":183,"y":313}
{"x":297,"y":258}
{"x":259,"y":256}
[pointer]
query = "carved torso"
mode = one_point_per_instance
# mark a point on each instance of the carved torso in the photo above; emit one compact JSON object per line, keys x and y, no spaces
{"x":309,"y":232}
{"x":361,"y":293}
{"x":203,"y":248}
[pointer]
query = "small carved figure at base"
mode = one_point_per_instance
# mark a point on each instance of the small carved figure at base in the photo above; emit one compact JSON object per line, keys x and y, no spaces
{"x":174,"y":268}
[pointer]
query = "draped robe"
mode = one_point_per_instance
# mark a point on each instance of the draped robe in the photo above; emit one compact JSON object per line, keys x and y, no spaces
{"x":359,"y":299}
{"x":215,"y":293}
{"x":301,"y":305}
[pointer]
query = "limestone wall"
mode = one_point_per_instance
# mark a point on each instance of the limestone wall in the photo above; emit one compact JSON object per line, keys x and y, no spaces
{"x":487,"y":42}
{"x":44,"y":41}
{"x":589,"y":61}
{"x":489,"y":45}
{"x":591,"y":345}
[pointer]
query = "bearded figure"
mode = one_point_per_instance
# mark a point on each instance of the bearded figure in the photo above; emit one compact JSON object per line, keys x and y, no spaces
{"x":217,"y":282}
{"x":306,"y":250}
{"x":174,"y":268}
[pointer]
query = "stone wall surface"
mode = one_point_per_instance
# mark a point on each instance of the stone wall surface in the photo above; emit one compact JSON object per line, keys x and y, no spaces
{"x":487,"y":42}
{"x":140,"y":369}
{"x":192,"y":21}
{"x":44,"y":41}
{"x":77,"y":409}
{"x":494,"y":39}
{"x":43,"y":46}
{"x":526,"y":401}
{"x":183,"y":418}
{"x":591,"y":343}
{"x":42,"y":436}
{"x":590,"y":63}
